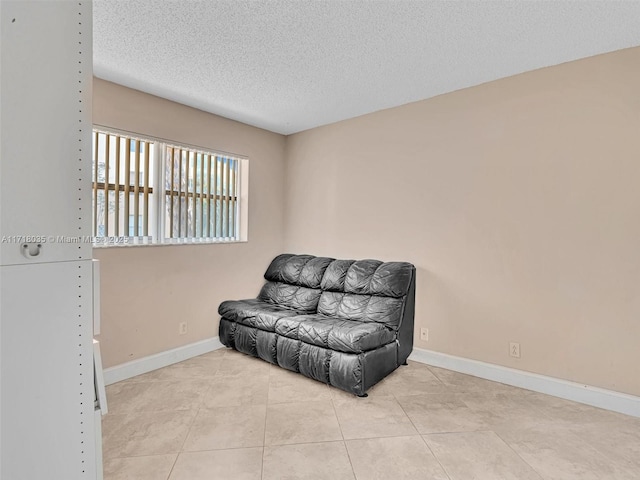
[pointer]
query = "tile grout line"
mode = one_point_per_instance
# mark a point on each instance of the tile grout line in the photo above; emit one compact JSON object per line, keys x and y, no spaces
{"x":540,"y":475}
{"x":193,"y":420}
{"x":473,"y":431}
{"x":266,"y":414}
{"x":474,"y":410}
{"x":422,"y":437}
{"x":344,"y":442}
{"x":244,"y":448}
{"x":436,"y":457}
{"x":539,"y":411}
{"x":292,"y":444}
{"x":518,"y":455}
{"x":334,"y":441}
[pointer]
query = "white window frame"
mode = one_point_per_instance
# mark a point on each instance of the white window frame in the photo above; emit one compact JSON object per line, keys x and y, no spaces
{"x":157,"y":204}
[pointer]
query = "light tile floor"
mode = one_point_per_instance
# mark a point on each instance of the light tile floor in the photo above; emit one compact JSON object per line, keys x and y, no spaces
{"x":228,"y":416}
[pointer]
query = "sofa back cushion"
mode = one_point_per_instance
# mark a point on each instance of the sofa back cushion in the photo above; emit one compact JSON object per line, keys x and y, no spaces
{"x":373,"y":277}
{"x":293,"y":281}
{"x":365,"y":290}
{"x":302,"y":270}
{"x":335,"y":275}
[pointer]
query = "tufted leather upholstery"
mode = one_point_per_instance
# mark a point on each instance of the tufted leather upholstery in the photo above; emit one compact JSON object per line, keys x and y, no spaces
{"x":343,"y":322}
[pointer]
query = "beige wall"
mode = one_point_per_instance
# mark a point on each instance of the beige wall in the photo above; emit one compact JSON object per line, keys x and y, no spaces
{"x":517,"y":200}
{"x":148,"y":291}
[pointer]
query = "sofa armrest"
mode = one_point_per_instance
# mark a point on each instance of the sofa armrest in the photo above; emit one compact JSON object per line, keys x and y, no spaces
{"x":405,"y":329}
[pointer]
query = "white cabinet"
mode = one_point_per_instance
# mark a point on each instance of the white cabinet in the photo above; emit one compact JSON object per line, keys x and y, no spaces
{"x":47,"y":372}
{"x":47,"y":418}
{"x":45,"y":149}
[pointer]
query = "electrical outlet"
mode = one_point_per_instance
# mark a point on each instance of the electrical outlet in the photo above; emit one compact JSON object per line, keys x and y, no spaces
{"x":424,"y":334}
{"x":514,"y":349}
{"x":182,"y":330}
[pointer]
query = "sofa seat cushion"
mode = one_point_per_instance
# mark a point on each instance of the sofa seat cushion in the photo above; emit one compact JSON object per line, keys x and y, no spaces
{"x":254,"y":313}
{"x":335,"y":334}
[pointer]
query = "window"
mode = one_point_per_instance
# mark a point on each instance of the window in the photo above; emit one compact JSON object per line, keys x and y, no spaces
{"x":201,"y":194}
{"x":152,"y":192}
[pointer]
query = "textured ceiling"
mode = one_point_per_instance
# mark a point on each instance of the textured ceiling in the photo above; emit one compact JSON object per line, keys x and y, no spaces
{"x":290,"y":65}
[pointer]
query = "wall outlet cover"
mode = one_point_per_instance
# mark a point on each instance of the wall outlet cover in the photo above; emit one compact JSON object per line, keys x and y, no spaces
{"x":424,"y":334}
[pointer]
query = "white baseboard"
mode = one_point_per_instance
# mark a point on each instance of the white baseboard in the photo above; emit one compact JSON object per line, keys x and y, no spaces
{"x":577,"y":392}
{"x":597,"y":397}
{"x":159,"y":360}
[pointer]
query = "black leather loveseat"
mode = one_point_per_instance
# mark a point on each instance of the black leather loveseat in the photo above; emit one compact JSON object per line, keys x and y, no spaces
{"x":343,"y":322}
